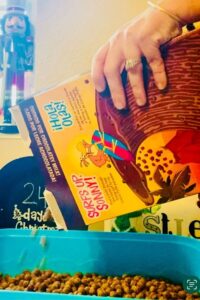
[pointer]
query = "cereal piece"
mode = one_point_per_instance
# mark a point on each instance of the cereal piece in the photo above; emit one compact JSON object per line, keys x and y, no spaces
{"x":34,"y":232}
{"x":22,"y":256}
{"x":42,"y":263}
{"x":43,"y":241}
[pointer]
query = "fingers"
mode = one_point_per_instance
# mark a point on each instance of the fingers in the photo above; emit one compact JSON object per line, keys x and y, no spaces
{"x":135,"y":73}
{"x":97,"y":69}
{"x":155,"y":61}
{"x":133,"y":52}
{"x":107,"y":66}
{"x":109,"y":61}
{"x":135,"y":76}
{"x":151,"y":50}
{"x":112,"y":71}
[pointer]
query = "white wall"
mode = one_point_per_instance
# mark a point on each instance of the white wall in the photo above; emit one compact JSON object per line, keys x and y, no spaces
{"x":70,"y":31}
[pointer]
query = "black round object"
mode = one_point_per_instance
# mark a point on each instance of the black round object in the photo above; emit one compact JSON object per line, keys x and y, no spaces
{"x":22,"y":204}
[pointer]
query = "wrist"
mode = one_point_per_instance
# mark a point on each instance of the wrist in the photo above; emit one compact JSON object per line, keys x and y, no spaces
{"x":167,"y":12}
{"x":186,"y":10}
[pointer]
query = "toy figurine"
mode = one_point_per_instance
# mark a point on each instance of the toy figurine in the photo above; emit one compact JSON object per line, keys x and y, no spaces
{"x":16,"y":55}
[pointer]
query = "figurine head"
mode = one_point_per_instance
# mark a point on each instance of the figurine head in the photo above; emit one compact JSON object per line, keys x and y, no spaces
{"x":15,"y":21}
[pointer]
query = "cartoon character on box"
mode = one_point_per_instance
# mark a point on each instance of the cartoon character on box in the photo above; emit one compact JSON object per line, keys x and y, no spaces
{"x":102,"y":147}
{"x":16,"y":55}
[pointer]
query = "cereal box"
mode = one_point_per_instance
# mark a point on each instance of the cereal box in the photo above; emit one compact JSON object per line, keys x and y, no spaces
{"x":99,"y":162}
{"x":181,"y":217}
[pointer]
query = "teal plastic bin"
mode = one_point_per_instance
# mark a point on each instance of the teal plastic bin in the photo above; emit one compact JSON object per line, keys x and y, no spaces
{"x":166,"y":256}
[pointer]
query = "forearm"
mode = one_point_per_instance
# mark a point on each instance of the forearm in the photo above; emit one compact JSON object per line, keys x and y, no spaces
{"x":186,"y":10}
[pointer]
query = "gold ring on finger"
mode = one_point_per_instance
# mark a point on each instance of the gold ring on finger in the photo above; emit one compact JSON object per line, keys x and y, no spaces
{"x":131,"y":63}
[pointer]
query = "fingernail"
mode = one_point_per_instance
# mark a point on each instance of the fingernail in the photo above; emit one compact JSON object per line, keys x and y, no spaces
{"x":120,"y":105}
{"x":140,"y":102}
{"x":100,"y":89}
{"x":161,"y":85}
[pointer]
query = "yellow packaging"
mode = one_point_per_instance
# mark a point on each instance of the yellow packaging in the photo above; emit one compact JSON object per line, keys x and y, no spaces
{"x":181,"y":217}
{"x":59,"y":125}
{"x":99,"y":163}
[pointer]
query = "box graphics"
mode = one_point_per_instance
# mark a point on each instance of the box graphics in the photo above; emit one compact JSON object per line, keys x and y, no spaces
{"x":99,"y":162}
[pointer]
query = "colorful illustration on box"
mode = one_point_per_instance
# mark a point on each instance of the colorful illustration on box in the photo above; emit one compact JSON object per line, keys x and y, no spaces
{"x":102,"y":147}
{"x":164,"y":134}
{"x":162,"y":167}
{"x":171,"y":166}
{"x":132,"y":221}
{"x":166,"y":163}
{"x":90,"y":153}
{"x":180,"y":218}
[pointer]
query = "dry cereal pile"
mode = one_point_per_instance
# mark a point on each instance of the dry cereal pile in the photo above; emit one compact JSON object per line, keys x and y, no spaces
{"x":127,"y":286}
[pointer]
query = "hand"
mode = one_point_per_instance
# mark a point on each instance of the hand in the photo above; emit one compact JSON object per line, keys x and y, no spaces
{"x":142,"y":36}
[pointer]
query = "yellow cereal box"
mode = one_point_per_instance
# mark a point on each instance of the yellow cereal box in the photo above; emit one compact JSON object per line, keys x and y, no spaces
{"x":181,"y":217}
{"x":99,"y":162}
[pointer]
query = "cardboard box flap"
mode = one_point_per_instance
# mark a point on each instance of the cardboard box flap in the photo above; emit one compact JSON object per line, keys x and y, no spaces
{"x":54,"y":208}
{"x":21,"y":124}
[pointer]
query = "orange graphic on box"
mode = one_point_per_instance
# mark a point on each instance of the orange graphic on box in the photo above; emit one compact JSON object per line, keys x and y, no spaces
{"x":101,"y":147}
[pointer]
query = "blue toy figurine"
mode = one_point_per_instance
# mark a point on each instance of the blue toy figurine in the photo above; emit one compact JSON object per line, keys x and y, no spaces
{"x":16,"y":57}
